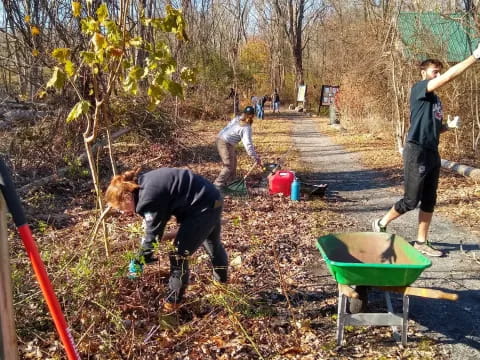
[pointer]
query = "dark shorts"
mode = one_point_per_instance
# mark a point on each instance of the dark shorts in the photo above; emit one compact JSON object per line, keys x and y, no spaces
{"x":421,"y":171}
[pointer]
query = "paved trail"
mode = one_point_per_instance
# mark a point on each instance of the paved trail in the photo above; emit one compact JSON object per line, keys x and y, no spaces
{"x":364,"y":196}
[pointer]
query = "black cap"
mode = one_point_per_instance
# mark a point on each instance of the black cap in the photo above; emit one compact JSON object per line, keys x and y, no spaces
{"x":249,"y":110}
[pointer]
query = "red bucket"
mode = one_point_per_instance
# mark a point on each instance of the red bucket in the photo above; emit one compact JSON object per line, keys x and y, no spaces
{"x":281,"y":182}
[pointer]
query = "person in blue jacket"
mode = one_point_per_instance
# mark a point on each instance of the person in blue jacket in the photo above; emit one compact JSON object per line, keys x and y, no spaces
{"x":196,"y":203}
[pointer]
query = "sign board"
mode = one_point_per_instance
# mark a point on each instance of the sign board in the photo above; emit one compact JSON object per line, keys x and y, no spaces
{"x":327,"y":96}
{"x":302,"y":89}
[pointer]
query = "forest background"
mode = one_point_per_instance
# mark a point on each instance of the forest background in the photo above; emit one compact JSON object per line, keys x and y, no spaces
{"x":255,"y":47}
{"x":73,"y":76}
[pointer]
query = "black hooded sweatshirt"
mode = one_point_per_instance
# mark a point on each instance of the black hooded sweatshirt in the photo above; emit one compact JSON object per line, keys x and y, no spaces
{"x":168,"y":191}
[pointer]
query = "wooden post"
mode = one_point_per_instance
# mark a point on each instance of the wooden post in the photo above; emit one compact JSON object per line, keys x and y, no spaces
{"x":332,"y":114}
{"x":8,"y":338}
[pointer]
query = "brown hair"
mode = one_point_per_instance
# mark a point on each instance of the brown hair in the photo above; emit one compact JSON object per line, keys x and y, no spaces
{"x":425,"y":64}
{"x":244,"y":120}
{"x":121,"y":185}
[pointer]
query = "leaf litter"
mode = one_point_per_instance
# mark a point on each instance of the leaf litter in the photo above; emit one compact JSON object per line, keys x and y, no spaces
{"x":280,"y":302}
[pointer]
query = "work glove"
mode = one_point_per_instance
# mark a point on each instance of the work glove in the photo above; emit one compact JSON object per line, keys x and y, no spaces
{"x":143,"y":257}
{"x":476,"y":52}
{"x":455,"y":123}
{"x":135,"y":269}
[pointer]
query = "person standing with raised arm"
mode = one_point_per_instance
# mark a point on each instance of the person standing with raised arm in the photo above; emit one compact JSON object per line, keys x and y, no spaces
{"x":420,"y":156}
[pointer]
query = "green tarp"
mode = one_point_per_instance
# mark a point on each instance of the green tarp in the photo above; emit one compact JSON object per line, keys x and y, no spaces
{"x":450,"y":37}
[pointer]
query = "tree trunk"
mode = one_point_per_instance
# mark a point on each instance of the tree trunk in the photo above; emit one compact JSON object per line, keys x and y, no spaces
{"x":461,"y":169}
{"x":399,"y":123}
{"x":298,"y":63}
{"x":98,"y":190}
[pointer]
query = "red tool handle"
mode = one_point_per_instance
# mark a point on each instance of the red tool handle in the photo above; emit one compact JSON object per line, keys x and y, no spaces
{"x":14,"y":205}
{"x":48,"y":293}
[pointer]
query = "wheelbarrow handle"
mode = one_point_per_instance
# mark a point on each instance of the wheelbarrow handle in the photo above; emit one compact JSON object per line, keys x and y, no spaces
{"x":15,"y":207}
{"x":348,"y":291}
{"x":422,"y":292}
{"x":404,"y":290}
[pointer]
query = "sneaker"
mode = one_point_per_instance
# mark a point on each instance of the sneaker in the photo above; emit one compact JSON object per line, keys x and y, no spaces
{"x":426,"y":249}
{"x":145,"y":256}
{"x":376,"y":227}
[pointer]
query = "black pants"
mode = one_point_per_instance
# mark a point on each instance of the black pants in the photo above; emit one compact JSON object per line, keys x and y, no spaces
{"x":202,"y":229}
{"x":421,"y":171}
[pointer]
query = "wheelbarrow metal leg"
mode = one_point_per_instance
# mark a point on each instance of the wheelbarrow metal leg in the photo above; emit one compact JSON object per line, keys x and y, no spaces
{"x":403,"y":335}
{"x":406,"y":302}
{"x":388,"y":301}
{"x":342,"y":310}
{"x":398,"y":322}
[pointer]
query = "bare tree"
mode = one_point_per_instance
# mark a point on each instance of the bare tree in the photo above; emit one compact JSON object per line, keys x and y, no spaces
{"x":236,"y":30}
{"x":31,"y":30}
{"x":271,"y":31}
{"x":293,"y":17}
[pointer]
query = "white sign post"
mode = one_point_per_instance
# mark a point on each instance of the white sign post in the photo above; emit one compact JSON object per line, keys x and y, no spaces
{"x":301,"y":95}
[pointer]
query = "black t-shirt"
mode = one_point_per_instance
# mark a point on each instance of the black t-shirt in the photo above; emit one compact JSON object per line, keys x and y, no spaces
{"x":168,"y":191}
{"x":426,"y":117}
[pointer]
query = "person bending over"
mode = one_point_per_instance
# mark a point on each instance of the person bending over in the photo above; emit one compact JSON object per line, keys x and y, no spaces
{"x":196,"y":203}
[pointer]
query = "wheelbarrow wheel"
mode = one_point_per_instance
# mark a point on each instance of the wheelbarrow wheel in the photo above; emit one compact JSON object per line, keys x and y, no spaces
{"x":360,"y":304}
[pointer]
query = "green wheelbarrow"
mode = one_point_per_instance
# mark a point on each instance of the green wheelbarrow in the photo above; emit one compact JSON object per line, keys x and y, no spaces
{"x":380,"y":260}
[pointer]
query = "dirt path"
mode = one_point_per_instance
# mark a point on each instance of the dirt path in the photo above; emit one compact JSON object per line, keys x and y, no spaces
{"x":362,"y":195}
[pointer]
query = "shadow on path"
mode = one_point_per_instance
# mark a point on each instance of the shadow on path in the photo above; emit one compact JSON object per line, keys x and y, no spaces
{"x":434,"y":316}
{"x":354,"y":180}
{"x":361,"y":195}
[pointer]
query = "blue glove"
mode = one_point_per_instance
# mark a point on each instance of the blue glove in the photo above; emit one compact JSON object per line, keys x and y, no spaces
{"x":135,"y":269}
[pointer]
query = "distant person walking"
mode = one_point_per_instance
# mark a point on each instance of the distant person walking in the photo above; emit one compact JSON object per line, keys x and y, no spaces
{"x":276,"y":101}
{"x":261,"y":107}
{"x":254,"y":101}
{"x":239,"y":128}
{"x":420,"y":155}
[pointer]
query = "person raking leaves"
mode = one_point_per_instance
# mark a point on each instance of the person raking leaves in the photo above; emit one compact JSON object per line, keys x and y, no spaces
{"x":239,"y":128}
{"x":196,"y":203}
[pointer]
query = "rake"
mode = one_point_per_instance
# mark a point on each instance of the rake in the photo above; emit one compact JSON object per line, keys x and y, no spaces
{"x":239,"y":187}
